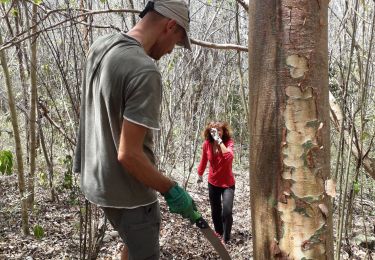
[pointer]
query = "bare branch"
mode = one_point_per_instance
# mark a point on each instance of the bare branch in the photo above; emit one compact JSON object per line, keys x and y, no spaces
{"x":16,"y":39}
{"x":44,"y":112}
{"x":219,"y":46}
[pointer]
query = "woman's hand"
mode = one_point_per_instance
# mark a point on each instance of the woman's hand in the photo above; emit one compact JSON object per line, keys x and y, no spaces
{"x":215,"y":135}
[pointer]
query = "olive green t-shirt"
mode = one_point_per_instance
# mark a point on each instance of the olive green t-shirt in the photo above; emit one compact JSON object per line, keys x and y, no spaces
{"x":120,"y":82}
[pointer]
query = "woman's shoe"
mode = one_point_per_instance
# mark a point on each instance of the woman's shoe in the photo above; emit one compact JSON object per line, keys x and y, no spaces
{"x":220,"y":237}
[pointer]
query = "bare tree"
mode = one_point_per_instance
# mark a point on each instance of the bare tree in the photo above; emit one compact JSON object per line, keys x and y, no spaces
{"x":17,"y":140}
{"x":33,"y":114}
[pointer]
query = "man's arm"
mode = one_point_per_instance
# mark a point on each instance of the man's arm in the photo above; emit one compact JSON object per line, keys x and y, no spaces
{"x":132,"y":157}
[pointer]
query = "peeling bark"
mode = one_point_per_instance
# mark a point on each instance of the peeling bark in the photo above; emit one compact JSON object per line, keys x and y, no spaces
{"x":300,"y":216}
{"x":290,"y":147}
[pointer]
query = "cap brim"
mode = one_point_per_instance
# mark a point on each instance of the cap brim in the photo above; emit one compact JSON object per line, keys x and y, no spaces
{"x":187,"y":43}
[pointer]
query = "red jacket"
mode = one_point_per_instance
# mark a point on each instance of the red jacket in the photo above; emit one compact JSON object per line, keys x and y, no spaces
{"x":220,"y":173}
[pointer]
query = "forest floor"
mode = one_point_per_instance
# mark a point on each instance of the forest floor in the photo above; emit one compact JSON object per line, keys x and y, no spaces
{"x":178,"y":238}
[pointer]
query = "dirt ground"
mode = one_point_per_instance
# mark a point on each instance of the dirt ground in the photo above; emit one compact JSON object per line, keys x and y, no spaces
{"x":178,"y":238}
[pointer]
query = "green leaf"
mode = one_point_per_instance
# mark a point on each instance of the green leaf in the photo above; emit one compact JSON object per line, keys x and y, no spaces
{"x":103,"y":1}
{"x":365,"y":136}
{"x":4,"y":1}
{"x":6,"y":162}
{"x":38,"y":231}
{"x":38,"y":2}
{"x":231,"y":2}
{"x":45,"y":67}
{"x":356,"y":187}
{"x":43,"y":179}
{"x":14,"y":12}
{"x":68,"y":180}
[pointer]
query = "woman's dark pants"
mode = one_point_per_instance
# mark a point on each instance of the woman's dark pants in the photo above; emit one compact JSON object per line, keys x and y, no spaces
{"x":221,"y":200}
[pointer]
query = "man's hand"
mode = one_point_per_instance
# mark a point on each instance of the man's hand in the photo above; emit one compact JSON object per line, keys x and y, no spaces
{"x":180,"y":202}
{"x":215,"y":135}
{"x":200,"y":179}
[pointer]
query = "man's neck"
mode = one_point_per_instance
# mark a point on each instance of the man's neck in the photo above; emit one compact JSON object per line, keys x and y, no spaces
{"x":137,"y":34}
{"x":146,"y":37}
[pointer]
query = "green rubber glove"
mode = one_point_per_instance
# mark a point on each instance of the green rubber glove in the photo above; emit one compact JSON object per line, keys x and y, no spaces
{"x":180,"y":202}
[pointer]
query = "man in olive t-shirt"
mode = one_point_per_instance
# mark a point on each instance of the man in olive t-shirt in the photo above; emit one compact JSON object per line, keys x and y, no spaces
{"x":121,"y":97}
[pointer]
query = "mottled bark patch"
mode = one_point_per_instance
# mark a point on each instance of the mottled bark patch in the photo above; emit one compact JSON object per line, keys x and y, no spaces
{"x":302,"y":218}
{"x":298,"y":65}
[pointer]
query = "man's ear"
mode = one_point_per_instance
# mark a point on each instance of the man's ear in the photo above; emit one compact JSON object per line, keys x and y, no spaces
{"x":171,"y":24}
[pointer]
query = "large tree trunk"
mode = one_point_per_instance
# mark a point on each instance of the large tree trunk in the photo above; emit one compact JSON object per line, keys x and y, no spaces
{"x":289,"y":129}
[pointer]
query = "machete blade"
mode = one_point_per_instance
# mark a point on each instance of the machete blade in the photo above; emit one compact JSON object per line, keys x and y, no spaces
{"x":212,"y":238}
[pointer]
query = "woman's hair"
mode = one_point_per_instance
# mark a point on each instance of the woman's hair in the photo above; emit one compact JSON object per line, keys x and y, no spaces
{"x":227,"y":131}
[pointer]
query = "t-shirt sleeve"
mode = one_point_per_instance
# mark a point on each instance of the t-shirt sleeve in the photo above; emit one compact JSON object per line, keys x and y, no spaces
{"x":143,"y":99}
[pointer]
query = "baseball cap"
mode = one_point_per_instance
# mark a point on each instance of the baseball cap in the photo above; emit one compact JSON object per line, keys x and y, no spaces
{"x":177,"y":10}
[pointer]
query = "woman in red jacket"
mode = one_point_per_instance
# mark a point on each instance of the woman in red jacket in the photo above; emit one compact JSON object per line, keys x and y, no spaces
{"x":218,"y":150}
